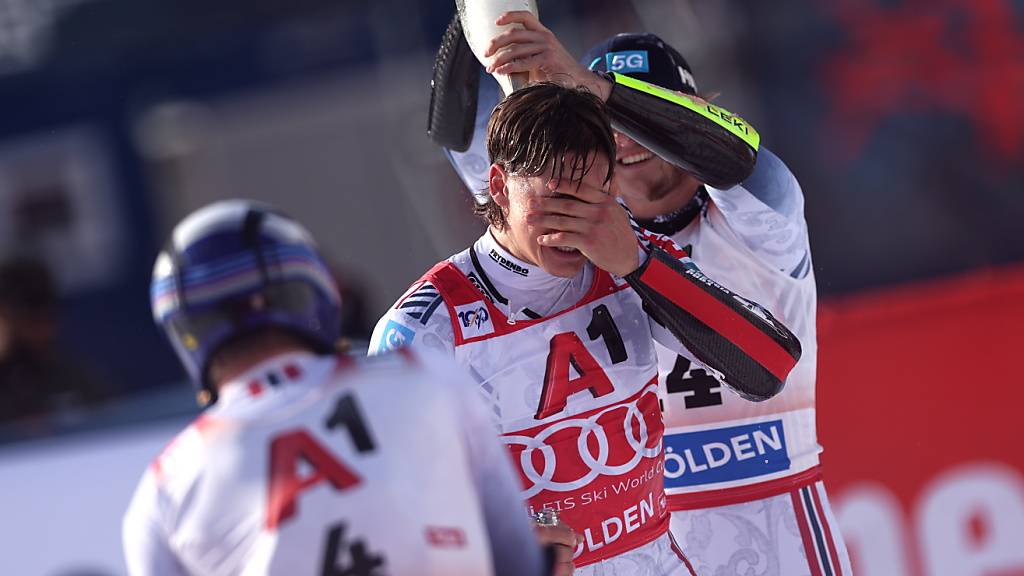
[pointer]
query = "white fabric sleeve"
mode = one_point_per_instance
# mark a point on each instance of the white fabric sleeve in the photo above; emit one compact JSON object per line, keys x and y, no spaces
{"x":515,"y":549}
{"x":419,"y":319}
{"x":146,"y":550}
{"x":667,"y":339}
{"x":766,"y":212}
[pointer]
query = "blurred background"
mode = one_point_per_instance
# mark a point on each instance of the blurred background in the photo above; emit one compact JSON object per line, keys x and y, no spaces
{"x":903,"y":120}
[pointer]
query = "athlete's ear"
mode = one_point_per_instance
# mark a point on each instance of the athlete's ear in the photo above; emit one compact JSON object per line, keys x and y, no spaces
{"x":497,"y":185}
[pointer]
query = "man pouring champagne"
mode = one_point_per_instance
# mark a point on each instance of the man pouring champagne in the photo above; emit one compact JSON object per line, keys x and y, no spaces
{"x":556,"y":308}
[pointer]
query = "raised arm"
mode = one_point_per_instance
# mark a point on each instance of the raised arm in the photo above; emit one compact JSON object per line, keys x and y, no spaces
{"x":716,"y":146}
{"x":697,"y":317}
{"x":766,"y":211}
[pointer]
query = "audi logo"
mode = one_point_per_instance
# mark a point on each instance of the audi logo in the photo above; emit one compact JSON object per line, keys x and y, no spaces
{"x":597,"y":465}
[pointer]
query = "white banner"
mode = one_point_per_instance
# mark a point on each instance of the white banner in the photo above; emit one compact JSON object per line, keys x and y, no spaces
{"x":62,"y":499}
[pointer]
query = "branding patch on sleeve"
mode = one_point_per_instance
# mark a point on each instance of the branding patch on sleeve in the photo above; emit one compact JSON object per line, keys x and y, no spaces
{"x":627,"y":61}
{"x":720,"y":116}
{"x":474,"y":319}
{"x":394,"y":336}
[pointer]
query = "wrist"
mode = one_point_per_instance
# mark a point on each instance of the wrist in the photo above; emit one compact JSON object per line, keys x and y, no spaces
{"x":600,"y":84}
{"x":633,"y":266}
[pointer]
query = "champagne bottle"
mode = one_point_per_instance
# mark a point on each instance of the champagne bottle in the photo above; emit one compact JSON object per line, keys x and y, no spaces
{"x":478,"y":17}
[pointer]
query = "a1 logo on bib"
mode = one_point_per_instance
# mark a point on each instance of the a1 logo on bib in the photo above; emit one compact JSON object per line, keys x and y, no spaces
{"x":474,"y":319}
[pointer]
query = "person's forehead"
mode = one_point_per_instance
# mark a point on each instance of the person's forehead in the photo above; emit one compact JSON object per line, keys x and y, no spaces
{"x":596,"y":176}
{"x":595,"y":160}
{"x":598,"y":168}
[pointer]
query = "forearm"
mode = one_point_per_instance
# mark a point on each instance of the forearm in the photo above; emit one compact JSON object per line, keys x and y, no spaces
{"x":737,"y":338}
{"x":711,"y":143}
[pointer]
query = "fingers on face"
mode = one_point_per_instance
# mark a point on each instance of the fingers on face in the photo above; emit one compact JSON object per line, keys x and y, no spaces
{"x":564,"y":239}
{"x":561,"y":223}
{"x":565,"y":206}
{"x":579,"y":190}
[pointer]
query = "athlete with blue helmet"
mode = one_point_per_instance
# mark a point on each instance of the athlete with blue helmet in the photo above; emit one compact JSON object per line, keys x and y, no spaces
{"x":234,"y":268}
{"x":305,"y":461}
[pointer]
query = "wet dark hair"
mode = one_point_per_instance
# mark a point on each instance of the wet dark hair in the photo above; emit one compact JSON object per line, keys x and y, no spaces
{"x":547,"y":126}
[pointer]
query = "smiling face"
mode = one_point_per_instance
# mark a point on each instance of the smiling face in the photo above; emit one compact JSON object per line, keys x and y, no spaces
{"x":649,"y":185}
{"x":519,"y":235}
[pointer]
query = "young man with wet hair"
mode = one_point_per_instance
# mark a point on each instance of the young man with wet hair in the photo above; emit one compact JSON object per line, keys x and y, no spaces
{"x":761,"y":497}
{"x":556,"y":310}
{"x":306,"y":461}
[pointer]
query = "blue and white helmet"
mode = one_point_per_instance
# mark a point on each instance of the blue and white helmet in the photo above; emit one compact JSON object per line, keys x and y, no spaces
{"x":235,"y":267}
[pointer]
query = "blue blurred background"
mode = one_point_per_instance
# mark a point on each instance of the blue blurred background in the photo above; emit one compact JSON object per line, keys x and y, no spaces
{"x":903,"y":120}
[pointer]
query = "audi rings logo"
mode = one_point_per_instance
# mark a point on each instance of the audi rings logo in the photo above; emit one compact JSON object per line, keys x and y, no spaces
{"x":592,"y":465}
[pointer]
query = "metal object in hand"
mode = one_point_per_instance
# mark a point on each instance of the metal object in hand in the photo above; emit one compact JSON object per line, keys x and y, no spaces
{"x":546,"y":518}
